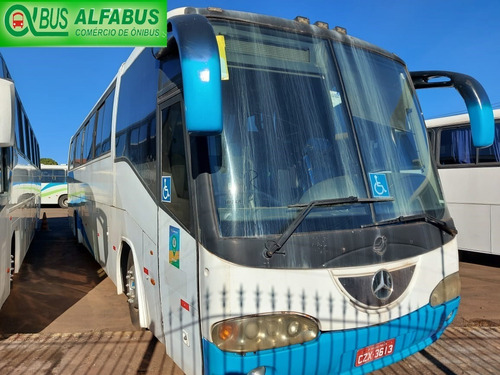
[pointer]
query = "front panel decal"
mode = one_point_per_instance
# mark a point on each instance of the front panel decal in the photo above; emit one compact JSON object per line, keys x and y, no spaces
{"x":174,"y":246}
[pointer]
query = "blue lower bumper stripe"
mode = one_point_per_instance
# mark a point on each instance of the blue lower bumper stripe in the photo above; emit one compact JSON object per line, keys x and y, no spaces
{"x":335,"y":352}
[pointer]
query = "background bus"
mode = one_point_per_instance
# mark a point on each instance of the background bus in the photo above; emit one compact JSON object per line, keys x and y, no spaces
{"x":470,"y":177}
{"x":54,"y":185}
{"x":19,"y":182}
{"x":262,"y":190}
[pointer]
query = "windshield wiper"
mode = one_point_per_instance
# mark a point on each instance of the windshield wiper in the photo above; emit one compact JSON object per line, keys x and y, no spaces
{"x":273,"y":247}
{"x":452,"y":231}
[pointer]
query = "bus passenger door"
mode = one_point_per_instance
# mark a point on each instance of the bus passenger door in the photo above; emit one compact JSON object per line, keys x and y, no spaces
{"x":177,"y":246}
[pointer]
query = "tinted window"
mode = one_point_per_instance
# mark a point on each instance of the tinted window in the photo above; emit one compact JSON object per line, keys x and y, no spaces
{"x":59,"y":175}
{"x":71,"y":153}
{"x":170,"y":71}
{"x":27,"y":136}
{"x":174,"y":162}
{"x":88,"y":144}
{"x":456,"y":146}
{"x":77,"y":160}
{"x":136,"y":117}
{"x":19,"y":127}
{"x":103,"y":132}
{"x":46,"y":175}
{"x":491,"y":154}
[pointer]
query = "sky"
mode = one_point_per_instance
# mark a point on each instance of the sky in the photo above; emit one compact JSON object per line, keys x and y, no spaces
{"x":59,"y":86}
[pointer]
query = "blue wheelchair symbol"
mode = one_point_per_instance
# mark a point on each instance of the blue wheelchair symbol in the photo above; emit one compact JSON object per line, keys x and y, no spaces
{"x":378,"y":182}
{"x":165,"y":189}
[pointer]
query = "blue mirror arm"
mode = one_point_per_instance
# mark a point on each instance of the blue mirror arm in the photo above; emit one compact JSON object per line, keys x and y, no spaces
{"x":474,"y":95}
{"x":201,"y":77}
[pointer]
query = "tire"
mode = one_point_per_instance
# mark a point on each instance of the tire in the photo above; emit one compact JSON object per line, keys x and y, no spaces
{"x":63,"y":201}
{"x":131,"y":291}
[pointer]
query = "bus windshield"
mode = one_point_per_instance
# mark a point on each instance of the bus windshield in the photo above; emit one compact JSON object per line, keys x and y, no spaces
{"x":307,"y":119}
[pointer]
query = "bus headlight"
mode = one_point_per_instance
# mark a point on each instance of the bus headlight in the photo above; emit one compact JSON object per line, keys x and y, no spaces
{"x":260,"y":332}
{"x":446,"y":290}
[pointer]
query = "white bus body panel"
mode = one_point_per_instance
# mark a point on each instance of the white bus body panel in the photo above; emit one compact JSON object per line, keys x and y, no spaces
{"x":473,"y":199}
{"x":228,"y":290}
{"x":179,"y":294}
{"x":139,"y":207}
{"x":18,"y":220}
{"x":5,"y":246}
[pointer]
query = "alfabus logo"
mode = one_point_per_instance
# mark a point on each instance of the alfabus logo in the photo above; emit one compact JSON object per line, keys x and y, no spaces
{"x":84,"y":23}
{"x":39,"y":21}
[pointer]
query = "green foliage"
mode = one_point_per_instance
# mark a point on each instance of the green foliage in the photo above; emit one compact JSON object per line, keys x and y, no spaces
{"x":48,"y":161}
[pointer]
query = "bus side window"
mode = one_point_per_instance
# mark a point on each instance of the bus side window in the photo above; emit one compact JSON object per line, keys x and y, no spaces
{"x":59,"y":175}
{"x":19,"y":126}
{"x":456,"y":146}
{"x":71,"y":153}
{"x":103,"y":132}
{"x":174,"y":162}
{"x":135,"y":137}
{"x":27,"y":150}
{"x":46,"y":176}
{"x":491,"y":154}
{"x":88,"y":143}
{"x":77,"y":159}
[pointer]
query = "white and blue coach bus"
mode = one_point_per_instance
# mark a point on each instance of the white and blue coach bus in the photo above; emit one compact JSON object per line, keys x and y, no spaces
{"x":54,"y":185}
{"x":262,"y":190}
{"x":470,"y":177}
{"x":19,"y":182}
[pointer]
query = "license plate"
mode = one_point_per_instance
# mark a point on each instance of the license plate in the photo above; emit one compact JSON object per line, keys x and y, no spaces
{"x":373,"y":352}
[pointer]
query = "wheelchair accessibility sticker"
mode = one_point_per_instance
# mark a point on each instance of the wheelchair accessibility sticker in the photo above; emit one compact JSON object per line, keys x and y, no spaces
{"x":166,"y":183}
{"x":378,"y":182}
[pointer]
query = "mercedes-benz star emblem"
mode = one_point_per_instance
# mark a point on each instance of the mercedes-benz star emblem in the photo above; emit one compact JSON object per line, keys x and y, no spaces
{"x":382,"y":286}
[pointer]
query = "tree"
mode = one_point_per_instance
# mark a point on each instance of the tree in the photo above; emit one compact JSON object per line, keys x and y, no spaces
{"x":48,"y":161}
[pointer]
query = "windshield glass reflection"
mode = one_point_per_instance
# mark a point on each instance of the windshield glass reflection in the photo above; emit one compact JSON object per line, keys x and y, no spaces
{"x":288,"y":137}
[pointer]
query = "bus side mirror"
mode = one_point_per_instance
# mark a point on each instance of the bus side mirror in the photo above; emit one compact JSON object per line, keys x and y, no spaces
{"x":201,"y":77}
{"x":474,"y":95}
{"x":7,"y":113}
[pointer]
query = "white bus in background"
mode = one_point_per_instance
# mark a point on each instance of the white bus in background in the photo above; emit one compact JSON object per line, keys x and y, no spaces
{"x":262,"y":190}
{"x":54,"y":185}
{"x":470,"y":178}
{"x":19,"y":182}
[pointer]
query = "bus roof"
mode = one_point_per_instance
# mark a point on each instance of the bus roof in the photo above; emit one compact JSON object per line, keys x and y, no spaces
{"x":454,"y":120}
{"x":299,"y":25}
{"x":56,"y":166}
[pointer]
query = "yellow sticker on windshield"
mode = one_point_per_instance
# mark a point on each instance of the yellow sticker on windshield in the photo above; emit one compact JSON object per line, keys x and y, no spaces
{"x":224,"y":72}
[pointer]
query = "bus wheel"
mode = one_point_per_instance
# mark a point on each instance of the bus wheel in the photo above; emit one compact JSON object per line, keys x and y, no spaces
{"x":131,"y":291}
{"x":63,"y":201}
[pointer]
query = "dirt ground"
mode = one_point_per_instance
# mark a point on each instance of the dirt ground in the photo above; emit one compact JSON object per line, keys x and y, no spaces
{"x":480,"y":276}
